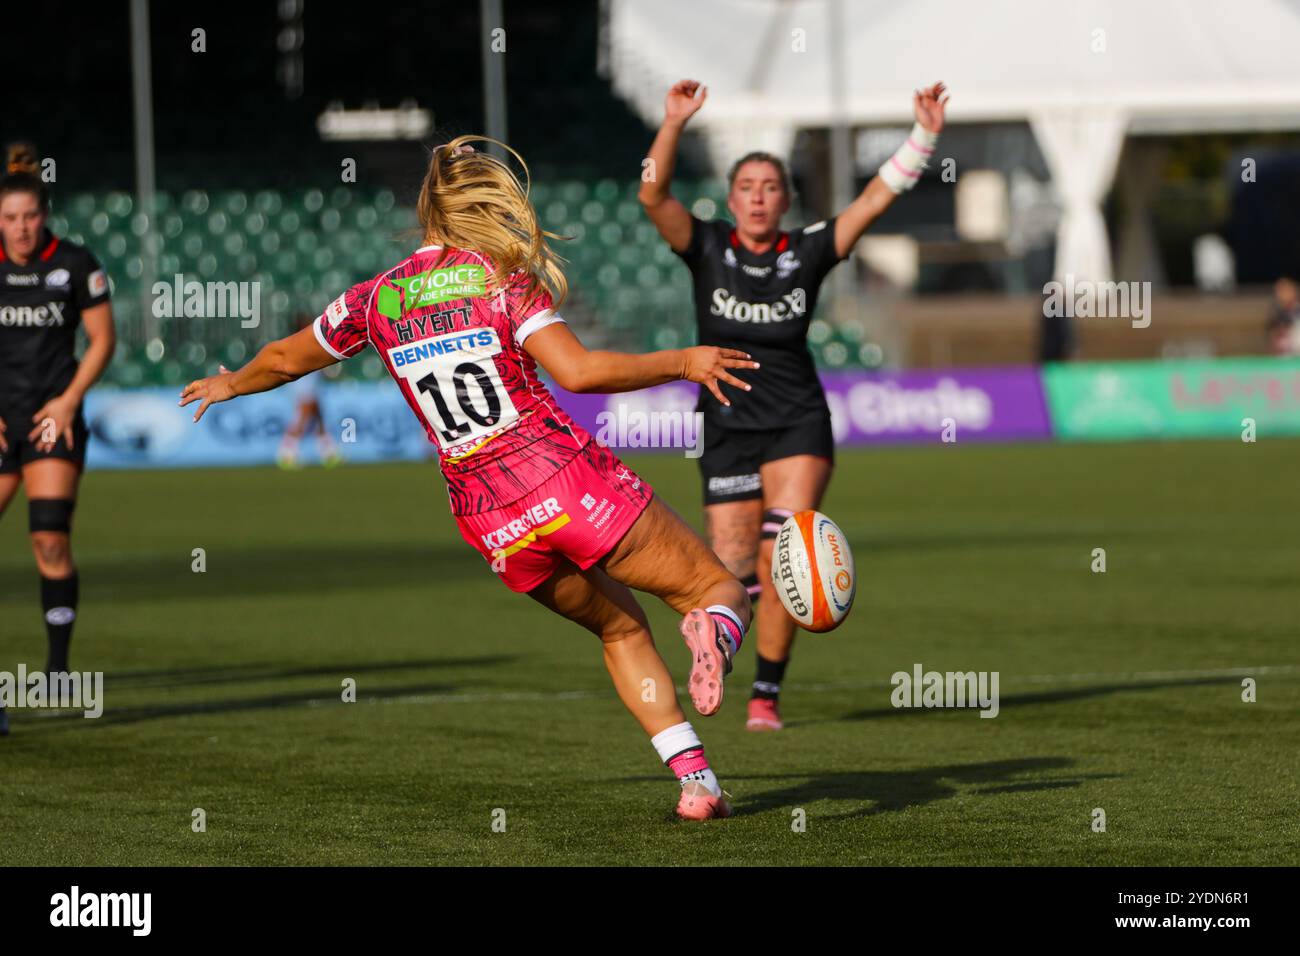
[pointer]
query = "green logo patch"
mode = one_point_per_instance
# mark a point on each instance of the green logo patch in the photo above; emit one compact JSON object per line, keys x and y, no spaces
{"x":430,"y":288}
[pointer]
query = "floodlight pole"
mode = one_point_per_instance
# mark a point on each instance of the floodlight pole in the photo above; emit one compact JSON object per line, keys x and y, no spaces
{"x":841,"y":146}
{"x":494,"y":70}
{"x":142,"y":87}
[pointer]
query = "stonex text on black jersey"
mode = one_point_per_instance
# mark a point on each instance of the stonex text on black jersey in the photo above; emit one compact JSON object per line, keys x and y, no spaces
{"x":40,"y":308}
{"x":761,"y":304}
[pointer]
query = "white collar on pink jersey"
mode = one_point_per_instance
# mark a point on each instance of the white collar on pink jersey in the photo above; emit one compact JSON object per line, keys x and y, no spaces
{"x":427,"y":248}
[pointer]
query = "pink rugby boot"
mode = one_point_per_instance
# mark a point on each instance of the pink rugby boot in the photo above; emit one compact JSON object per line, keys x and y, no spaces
{"x":710,"y":661}
{"x":763,"y":715}
{"x":697,"y":803}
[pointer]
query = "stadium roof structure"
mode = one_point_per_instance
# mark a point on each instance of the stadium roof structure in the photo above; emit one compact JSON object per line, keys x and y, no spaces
{"x":1084,"y":75}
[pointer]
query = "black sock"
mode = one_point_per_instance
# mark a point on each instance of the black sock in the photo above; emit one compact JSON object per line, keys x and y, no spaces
{"x":59,"y":602}
{"x":767,"y":682}
{"x":752,"y":587}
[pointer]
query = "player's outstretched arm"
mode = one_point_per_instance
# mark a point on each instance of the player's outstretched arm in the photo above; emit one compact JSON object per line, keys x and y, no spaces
{"x":669,"y":216}
{"x":278,"y":363}
{"x":574,"y":368}
{"x":898,"y":174}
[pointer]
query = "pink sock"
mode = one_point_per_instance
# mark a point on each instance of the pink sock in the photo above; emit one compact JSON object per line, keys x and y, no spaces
{"x":679,"y":747}
{"x":688,"y":762}
{"x":726,"y":619}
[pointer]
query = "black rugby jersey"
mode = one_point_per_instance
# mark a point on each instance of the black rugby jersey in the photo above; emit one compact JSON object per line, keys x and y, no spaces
{"x":40,"y":308}
{"x":762,"y":305}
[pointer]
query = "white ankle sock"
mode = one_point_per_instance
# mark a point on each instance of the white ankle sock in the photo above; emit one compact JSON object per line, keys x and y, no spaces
{"x":669,"y":743}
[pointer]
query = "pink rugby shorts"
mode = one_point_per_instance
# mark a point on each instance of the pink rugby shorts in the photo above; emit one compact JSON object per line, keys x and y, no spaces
{"x":579,"y":514}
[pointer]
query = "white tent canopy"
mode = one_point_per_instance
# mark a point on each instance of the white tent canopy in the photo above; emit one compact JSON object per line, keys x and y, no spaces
{"x":1082,"y":74}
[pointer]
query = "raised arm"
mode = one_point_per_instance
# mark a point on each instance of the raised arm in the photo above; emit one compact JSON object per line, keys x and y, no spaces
{"x":278,"y":363}
{"x":670,"y":217}
{"x":899,"y":173}
{"x":574,"y":368}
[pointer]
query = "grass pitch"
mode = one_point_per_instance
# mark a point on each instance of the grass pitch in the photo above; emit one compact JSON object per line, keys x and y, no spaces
{"x":1120,"y":691}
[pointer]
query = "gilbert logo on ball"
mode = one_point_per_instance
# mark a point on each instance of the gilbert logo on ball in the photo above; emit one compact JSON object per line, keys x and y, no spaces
{"x":812,"y":571}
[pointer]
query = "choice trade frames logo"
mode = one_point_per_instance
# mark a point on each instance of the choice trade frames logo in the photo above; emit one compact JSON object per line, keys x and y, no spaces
{"x":430,"y":288}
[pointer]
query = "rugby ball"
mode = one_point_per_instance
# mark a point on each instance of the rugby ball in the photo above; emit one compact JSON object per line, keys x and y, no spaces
{"x":812,"y":571}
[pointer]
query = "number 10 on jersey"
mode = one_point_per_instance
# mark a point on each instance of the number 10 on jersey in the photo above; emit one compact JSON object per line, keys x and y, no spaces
{"x":456,"y":383}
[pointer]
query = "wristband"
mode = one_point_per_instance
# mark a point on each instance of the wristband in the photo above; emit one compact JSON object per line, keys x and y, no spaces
{"x":902,"y":171}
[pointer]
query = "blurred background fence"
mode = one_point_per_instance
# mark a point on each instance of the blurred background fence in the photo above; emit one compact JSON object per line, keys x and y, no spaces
{"x":1198,"y":177}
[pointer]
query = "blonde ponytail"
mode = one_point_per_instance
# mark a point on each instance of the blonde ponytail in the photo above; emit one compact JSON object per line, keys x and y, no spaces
{"x":473,"y":200}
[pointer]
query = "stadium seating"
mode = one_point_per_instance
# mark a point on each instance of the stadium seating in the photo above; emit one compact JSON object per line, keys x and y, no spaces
{"x":627,"y":288}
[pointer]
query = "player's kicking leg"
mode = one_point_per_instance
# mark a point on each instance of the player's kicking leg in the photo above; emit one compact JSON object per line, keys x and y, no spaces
{"x":662,"y":555}
{"x":608,"y":609}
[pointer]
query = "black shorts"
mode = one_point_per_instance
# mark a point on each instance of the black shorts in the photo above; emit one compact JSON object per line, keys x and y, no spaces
{"x":21,"y":451}
{"x":731,"y":459}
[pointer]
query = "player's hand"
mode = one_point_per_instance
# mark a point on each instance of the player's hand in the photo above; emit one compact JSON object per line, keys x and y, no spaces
{"x":4,"y":444}
{"x":708,"y":365}
{"x":52,"y":420}
{"x":684,"y":100}
{"x":209,"y":391}
{"x":928,"y":104}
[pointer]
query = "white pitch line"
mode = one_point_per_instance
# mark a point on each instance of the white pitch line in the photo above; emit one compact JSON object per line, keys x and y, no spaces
{"x":489,"y":696}
{"x":1124,"y":676}
{"x":1129,"y":676}
{"x":506,"y":697}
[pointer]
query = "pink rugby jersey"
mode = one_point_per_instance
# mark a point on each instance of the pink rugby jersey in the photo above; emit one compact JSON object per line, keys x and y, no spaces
{"x":457,"y":354}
